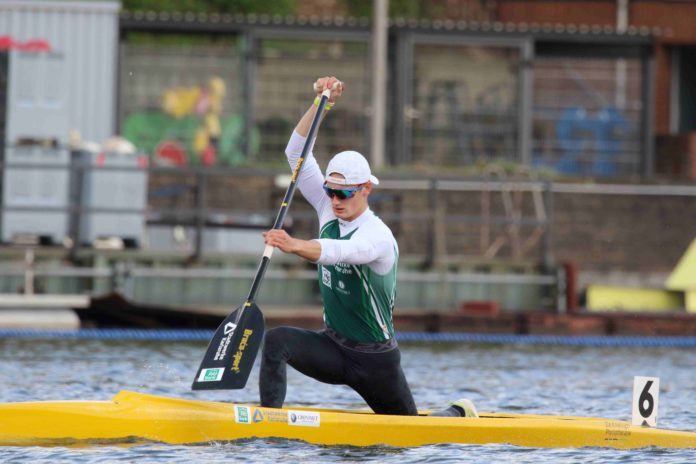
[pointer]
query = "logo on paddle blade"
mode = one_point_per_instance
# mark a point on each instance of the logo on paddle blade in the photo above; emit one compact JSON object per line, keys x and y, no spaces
{"x":211,"y":375}
{"x":237,"y":358}
{"x":229,"y":328}
{"x":228,"y":332}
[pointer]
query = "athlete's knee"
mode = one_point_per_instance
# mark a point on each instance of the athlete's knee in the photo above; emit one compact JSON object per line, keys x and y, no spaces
{"x":274,"y":343}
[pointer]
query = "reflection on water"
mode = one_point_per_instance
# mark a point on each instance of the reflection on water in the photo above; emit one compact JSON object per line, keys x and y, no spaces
{"x":586,"y":381}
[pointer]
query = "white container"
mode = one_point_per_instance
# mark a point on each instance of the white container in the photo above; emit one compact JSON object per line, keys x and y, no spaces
{"x":122,"y":191}
{"x":40,"y":186}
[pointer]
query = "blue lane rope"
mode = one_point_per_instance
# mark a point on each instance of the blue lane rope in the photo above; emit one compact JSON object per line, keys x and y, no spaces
{"x":206,"y":335}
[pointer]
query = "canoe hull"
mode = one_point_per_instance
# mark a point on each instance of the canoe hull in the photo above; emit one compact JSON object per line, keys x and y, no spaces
{"x":134,"y":417}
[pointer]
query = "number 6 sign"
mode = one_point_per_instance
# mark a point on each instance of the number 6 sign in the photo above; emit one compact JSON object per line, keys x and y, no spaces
{"x":646,"y":391}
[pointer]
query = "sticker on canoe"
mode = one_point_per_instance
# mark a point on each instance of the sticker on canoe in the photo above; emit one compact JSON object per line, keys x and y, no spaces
{"x":242,"y":415}
{"x":276,"y":416}
{"x":616,"y":430}
{"x":303,"y":418}
{"x":211,"y":375}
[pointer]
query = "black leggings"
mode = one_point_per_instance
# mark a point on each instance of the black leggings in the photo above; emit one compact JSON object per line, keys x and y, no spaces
{"x":377,"y":377}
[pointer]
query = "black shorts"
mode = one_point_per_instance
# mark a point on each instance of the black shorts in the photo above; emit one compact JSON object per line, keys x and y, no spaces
{"x":377,"y":377}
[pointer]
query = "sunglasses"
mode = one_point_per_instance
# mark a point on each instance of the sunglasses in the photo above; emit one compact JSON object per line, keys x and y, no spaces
{"x":341,"y":194}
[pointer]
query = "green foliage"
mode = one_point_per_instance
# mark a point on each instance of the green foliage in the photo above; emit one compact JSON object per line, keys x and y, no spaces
{"x":406,"y":9}
{"x":157,"y":38}
{"x":281,"y":7}
{"x":358,"y":8}
{"x":397,"y":8}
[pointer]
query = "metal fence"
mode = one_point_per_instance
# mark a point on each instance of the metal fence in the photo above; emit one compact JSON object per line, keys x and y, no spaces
{"x":587,"y":116}
{"x":458,"y":240}
{"x":464,"y":104}
{"x":176,"y":98}
{"x":461,"y":95}
{"x":88,"y":197}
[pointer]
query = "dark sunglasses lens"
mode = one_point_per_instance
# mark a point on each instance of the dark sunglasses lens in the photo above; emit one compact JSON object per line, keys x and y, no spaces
{"x":342,"y":194}
{"x":338,"y":193}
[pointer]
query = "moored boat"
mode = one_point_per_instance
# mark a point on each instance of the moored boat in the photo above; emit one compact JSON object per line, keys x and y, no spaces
{"x":135,"y":417}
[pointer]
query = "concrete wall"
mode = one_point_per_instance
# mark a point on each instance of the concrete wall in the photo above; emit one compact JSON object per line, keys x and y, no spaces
{"x":602,"y":234}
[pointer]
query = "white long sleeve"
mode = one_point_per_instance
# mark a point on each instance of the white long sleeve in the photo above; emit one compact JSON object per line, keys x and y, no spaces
{"x":372,"y":243}
{"x":311,"y":180}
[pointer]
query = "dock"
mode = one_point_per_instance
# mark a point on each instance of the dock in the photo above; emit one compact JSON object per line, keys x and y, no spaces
{"x":113,"y":311}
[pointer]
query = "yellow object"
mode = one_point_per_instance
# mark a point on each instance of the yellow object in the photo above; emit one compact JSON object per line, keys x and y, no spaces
{"x":690,"y":297}
{"x":211,"y":122}
{"x":201,"y":140}
{"x":683,"y":277}
{"x":134,"y":417}
{"x":217,"y":87}
{"x":607,"y":298}
{"x":328,"y":105}
{"x":180,"y":101}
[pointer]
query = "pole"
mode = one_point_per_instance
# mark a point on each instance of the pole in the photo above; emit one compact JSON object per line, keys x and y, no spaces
{"x":380,"y":25}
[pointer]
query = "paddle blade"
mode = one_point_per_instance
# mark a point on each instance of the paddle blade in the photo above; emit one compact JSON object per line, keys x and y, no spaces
{"x":231,"y":352}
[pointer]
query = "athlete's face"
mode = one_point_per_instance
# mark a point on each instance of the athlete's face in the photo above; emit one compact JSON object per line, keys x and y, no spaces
{"x":349,"y":208}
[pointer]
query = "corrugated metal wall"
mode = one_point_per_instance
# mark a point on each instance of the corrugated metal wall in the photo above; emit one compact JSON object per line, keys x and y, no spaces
{"x":85,"y":35}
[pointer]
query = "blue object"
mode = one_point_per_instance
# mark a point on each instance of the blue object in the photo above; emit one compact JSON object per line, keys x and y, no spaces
{"x":609,"y":145}
{"x":439,"y":337}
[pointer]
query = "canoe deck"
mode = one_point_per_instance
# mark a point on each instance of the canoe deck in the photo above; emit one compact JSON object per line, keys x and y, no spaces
{"x":136,"y":417}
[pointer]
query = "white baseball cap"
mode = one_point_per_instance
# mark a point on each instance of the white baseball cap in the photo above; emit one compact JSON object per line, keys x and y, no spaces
{"x":352,"y":166}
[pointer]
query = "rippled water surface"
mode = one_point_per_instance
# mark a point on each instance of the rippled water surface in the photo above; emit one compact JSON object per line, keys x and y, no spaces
{"x":501,"y":378}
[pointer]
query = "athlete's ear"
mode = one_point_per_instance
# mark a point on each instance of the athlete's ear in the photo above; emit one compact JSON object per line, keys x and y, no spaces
{"x":368,"y":187}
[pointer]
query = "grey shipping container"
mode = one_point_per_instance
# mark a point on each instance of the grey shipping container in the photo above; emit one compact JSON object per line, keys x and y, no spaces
{"x":35,"y":194}
{"x":66,"y":84}
{"x":77,"y":77}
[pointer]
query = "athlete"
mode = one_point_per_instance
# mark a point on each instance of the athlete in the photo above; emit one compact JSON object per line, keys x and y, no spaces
{"x":357,"y":256}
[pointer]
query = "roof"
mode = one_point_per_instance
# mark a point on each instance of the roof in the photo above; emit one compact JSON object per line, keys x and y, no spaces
{"x":215,"y":22}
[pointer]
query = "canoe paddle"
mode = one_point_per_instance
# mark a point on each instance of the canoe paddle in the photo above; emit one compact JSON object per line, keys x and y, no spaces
{"x":233,"y":348}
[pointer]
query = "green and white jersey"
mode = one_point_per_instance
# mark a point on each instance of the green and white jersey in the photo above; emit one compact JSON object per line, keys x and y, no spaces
{"x":358,"y":300}
{"x":358,"y":262}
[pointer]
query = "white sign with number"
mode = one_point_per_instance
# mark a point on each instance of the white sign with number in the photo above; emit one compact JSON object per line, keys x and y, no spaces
{"x":646,"y":392}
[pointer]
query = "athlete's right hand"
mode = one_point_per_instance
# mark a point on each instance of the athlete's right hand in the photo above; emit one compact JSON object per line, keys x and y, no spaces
{"x":329,"y":82}
{"x":280,"y":239}
{"x":307,"y":249}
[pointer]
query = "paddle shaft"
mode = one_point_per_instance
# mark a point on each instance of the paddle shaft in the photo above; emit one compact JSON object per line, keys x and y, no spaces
{"x":268,"y":252}
{"x":230,"y":355}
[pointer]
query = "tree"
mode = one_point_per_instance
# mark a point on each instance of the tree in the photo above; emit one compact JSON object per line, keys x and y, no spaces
{"x":280,"y":7}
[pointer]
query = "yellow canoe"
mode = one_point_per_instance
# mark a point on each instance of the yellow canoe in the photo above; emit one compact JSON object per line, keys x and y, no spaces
{"x":135,"y":417}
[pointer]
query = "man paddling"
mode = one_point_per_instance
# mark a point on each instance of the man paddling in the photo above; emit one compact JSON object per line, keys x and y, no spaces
{"x":357,"y":258}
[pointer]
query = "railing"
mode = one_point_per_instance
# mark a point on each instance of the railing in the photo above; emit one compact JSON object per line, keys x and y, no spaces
{"x":213,"y":286}
{"x":434,"y":211}
{"x":428,"y":216}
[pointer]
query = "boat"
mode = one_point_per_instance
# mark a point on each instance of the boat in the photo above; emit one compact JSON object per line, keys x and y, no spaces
{"x":132,"y":417}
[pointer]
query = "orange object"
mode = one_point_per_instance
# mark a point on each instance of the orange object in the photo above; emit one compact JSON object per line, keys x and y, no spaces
{"x":489,"y":308}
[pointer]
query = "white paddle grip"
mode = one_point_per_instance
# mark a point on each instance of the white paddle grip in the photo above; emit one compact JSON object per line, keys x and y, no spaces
{"x":268,"y":251}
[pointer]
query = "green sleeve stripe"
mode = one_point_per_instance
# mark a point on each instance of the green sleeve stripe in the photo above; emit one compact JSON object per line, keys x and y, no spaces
{"x":329,"y":223}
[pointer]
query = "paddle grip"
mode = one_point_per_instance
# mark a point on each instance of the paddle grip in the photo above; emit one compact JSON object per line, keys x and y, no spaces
{"x":268,"y":251}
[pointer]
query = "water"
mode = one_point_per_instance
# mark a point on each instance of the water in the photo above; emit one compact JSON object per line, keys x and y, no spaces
{"x":590,"y":381}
